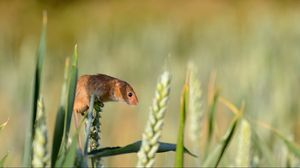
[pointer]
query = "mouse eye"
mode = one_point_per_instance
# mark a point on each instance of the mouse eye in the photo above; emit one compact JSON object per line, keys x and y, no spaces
{"x":129,"y":94}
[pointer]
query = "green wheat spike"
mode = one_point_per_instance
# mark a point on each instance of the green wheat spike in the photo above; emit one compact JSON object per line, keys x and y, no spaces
{"x":244,"y":145}
{"x":40,"y":142}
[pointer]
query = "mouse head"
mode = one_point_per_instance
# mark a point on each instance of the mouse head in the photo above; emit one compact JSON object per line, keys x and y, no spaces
{"x":126,"y":93}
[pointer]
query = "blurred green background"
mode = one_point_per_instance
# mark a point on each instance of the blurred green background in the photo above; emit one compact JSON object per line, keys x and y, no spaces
{"x":253,"y":46}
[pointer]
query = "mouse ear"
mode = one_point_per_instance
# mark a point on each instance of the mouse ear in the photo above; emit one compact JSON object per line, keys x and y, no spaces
{"x":119,"y":84}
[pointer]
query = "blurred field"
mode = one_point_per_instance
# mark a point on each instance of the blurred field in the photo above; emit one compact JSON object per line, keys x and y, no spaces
{"x":252,"y":46}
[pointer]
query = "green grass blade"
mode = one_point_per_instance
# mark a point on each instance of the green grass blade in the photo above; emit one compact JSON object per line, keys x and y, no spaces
{"x":71,"y":153}
{"x":215,"y":157}
{"x":68,"y":158}
{"x":64,"y":92}
{"x":211,"y":117}
{"x":227,"y":138}
{"x":2,"y":160}
{"x":179,"y":159}
{"x":71,"y":92}
{"x":58,"y":134}
{"x":60,"y":118}
{"x":41,"y":52}
{"x":211,"y":122}
{"x":59,"y":161}
{"x":133,"y":148}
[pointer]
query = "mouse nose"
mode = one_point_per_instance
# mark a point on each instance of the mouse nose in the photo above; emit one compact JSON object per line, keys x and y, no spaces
{"x":134,"y":102}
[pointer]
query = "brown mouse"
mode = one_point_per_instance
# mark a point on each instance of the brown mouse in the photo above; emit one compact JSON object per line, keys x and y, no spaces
{"x":105,"y":88}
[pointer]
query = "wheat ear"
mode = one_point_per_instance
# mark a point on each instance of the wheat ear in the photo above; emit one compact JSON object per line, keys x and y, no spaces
{"x":40,"y":150}
{"x":152,"y":133}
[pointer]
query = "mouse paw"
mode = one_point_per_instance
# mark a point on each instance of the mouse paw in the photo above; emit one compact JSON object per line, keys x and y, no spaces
{"x":98,"y":105}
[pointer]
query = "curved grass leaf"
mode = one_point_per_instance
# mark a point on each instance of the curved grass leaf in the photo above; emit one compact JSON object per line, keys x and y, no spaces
{"x":71,"y":92}
{"x":133,"y":148}
{"x":215,"y":157}
{"x":231,"y":106}
{"x":41,"y":52}
{"x":58,"y":134}
{"x":179,"y":159}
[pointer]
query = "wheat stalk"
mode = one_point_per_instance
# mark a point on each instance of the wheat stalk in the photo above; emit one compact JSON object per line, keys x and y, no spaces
{"x":93,"y":130}
{"x":152,"y":133}
{"x":40,"y":152}
{"x":95,"y":133}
